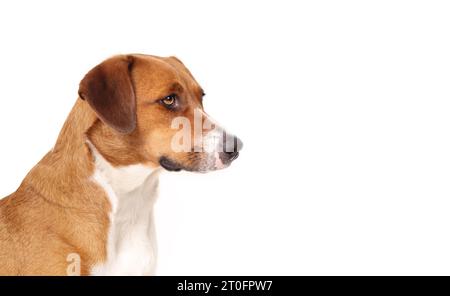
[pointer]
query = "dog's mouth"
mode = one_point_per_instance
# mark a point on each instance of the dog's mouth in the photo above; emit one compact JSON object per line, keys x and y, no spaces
{"x":199,"y":162}
{"x":170,"y":165}
{"x":174,"y":166}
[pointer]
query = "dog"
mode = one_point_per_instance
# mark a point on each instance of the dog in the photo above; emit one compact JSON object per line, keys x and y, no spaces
{"x":87,"y":207}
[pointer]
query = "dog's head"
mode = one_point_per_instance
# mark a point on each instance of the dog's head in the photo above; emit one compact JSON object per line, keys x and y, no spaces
{"x":150,"y":112}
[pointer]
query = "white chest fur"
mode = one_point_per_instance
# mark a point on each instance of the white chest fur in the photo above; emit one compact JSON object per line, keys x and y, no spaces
{"x":132,"y":191}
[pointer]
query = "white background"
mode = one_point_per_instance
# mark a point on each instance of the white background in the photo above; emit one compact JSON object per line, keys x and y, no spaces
{"x":343,"y":107}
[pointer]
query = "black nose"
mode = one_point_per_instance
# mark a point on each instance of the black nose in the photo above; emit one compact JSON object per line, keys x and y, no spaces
{"x":238,"y":144}
{"x":232,"y":146}
{"x":231,"y":143}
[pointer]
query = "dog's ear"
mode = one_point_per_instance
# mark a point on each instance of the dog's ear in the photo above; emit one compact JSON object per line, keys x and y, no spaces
{"x":109,"y":91}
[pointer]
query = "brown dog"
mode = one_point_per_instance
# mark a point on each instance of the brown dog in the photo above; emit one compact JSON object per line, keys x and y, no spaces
{"x":86,"y":207}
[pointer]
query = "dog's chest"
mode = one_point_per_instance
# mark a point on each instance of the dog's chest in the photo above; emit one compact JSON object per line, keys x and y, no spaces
{"x":131,"y":246}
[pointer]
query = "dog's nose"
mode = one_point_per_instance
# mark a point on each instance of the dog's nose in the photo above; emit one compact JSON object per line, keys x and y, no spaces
{"x":238,"y":144}
{"x":232,"y":145}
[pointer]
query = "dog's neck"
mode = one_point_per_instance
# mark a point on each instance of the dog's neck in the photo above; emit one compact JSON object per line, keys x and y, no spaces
{"x":122,"y":181}
{"x":68,"y":166}
{"x":132,"y":192}
{"x":74,"y":161}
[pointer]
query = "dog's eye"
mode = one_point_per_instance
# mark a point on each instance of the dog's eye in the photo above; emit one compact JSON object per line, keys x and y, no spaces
{"x":169,"y":101}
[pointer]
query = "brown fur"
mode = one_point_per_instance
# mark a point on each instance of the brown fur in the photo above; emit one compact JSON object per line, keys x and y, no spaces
{"x":58,"y":209}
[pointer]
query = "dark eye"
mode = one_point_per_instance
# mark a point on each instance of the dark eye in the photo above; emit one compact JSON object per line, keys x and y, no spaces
{"x":169,"y":101}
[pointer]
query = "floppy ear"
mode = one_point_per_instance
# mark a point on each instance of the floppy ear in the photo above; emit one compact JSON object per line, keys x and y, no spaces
{"x":109,"y":91}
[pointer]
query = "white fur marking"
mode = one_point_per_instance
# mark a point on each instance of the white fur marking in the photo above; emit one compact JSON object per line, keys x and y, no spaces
{"x":132,"y":191}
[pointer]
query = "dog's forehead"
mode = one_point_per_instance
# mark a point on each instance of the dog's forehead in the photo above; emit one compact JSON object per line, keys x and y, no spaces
{"x":164,"y":70}
{"x":162,"y":67}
